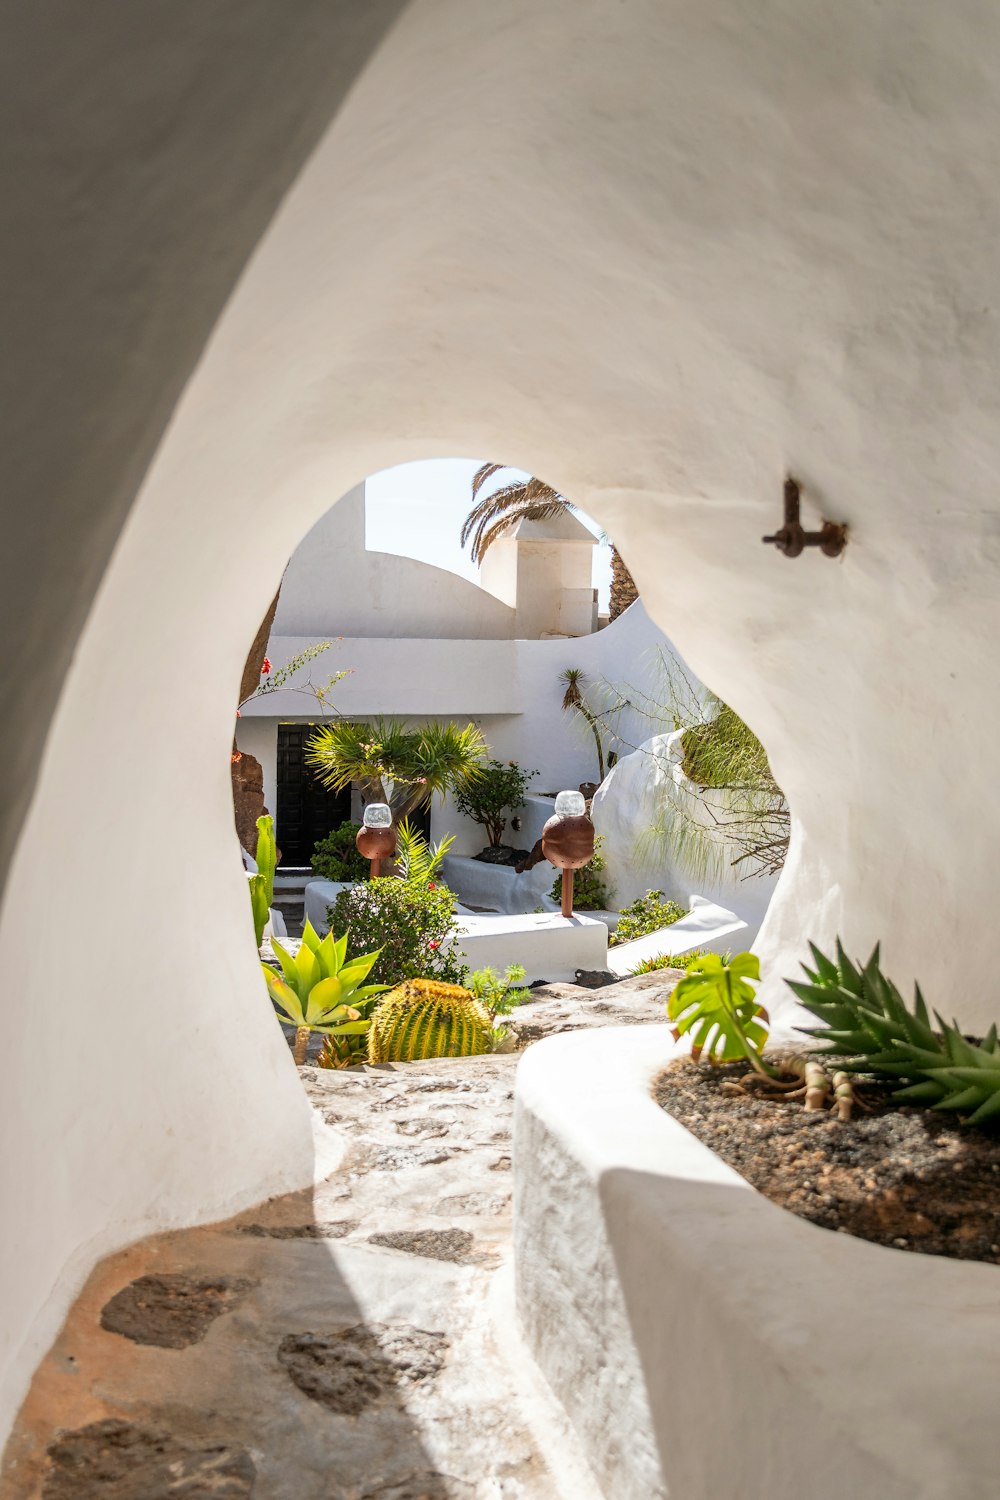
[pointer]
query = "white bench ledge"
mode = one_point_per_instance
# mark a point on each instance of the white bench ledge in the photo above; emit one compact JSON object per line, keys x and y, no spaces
{"x":708,"y":1345}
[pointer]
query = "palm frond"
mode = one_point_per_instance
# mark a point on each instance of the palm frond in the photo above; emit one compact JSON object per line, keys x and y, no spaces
{"x":493,"y":514}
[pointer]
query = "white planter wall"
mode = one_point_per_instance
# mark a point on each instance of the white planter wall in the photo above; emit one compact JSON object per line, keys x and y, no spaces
{"x":708,"y":1345}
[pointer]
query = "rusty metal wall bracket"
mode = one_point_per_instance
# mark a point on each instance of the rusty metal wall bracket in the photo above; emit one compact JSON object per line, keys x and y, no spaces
{"x":831,"y":539}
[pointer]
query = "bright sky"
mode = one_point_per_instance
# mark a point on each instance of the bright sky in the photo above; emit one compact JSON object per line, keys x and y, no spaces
{"x":417,"y":510}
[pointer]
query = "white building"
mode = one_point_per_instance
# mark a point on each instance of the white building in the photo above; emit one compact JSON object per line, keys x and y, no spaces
{"x":420,"y":642}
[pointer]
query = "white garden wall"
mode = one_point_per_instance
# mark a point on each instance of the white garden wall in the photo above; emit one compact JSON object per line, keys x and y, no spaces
{"x":759,"y":240}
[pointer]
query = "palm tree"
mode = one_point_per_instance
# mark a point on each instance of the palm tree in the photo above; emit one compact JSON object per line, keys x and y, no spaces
{"x":403,"y":767}
{"x":530,"y":500}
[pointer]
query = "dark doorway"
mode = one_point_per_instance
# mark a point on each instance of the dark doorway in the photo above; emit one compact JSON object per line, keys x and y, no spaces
{"x":306,"y":810}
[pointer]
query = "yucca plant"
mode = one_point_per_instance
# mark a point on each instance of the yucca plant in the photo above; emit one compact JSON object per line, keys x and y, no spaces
{"x":262,"y":883}
{"x":422,"y":1019}
{"x":868,"y":1026}
{"x":394,"y":764}
{"x":319,"y":990}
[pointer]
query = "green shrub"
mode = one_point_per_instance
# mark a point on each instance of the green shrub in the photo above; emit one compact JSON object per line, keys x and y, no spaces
{"x":589,"y":890}
{"x":424,"y":1018}
{"x":499,"y":992}
{"x":336,"y":857}
{"x":412,"y":925}
{"x":500,"y":788}
{"x":645,"y":914}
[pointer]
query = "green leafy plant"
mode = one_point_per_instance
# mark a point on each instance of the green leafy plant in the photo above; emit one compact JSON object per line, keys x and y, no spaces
{"x":393,"y":764}
{"x":424,"y":1018}
{"x":417,"y":862}
{"x":262,"y":883}
{"x":500,"y":789}
{"x":411,"y":925}
{"x":319,"y":990}
{"x":715,"y":1004}
{"x":645,"y":914}
{"x":336,"y":857}
{"x":499,"y":993}
{"x":590,"y":892}
{"x":868,"y":1027}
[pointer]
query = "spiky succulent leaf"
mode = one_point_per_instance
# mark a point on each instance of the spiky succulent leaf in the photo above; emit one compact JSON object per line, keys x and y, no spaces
{"x":867,"y":1023}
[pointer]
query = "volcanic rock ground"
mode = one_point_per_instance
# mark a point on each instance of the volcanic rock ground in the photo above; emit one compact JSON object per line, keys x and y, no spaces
{"x":354,"y":1342}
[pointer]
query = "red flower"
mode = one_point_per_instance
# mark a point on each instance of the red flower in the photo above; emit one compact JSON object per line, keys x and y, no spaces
{"x":434,"y":945}
{"x":431,"y":886}
{"x":265,"y":666}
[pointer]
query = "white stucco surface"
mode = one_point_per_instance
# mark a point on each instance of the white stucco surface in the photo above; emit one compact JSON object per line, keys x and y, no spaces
{"x":546,"y":945}
{"x":706,"y":925}
{"x":707,"y":1344}
{"x":648,"y":790}
{"x":759,"y":240}
{"x":334,"y":586}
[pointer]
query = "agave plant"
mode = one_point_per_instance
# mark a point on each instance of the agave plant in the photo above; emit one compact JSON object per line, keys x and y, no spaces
{"x":423,"y":1018}
{"x":866,"y":1023}
{"x":318,"y":990}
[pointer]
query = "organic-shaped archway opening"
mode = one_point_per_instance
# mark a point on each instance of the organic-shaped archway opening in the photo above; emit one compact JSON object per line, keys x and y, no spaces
{"x":438,"y":644}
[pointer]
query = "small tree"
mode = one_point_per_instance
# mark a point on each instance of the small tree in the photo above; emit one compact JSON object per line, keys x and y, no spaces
{"x":500,"y":789}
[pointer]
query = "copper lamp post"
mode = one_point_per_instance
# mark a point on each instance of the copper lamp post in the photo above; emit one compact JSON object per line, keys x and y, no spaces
{"x":568,"y":842}
{"x":376,"y":838}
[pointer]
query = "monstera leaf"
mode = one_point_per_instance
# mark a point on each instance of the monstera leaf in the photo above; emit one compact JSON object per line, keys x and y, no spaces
{"x":715,"y":1004}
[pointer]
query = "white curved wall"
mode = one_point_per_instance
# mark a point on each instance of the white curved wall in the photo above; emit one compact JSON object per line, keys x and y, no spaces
{"x":759,"y":241}
{"x":334,"y":586}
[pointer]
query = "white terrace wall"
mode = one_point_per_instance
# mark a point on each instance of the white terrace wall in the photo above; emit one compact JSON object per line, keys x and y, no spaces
{"x":757,"y":240}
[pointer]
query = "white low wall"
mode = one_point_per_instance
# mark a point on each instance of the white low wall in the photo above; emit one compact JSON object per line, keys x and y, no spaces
{"x":708,"y":1345}
{"x":547,"y":945}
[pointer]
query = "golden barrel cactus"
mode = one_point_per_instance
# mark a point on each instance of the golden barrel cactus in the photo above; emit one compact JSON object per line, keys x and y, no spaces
{"x":422,"y":1018}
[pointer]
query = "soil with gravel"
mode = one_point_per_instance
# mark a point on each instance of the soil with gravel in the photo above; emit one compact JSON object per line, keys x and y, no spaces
{"x":911,"y":1178}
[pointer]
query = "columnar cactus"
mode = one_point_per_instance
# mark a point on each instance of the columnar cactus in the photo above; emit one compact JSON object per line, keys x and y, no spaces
{"x":422,"y":1018}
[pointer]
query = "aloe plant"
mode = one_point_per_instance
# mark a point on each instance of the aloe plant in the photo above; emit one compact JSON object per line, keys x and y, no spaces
{"x":423,"y":1018}
{"x":866,"y":1023}
{"x":318,"y":990}
{"x":262,"y":883}
{"x":715,"y":1003}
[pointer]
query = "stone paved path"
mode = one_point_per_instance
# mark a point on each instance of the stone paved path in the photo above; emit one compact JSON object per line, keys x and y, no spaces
{"x":351,"y":1343}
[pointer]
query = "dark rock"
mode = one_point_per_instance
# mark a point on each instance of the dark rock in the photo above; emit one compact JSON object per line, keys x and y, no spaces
{"x":349,"y":1371}
{"x":429,"y":1484}
{"x":334,"y":1230}
{"x":502,"y":854}
{"x":114,"y":1460}
{"x":438,"y":1244}
{"x":172,"y":1311}
{"x":595,"y":979}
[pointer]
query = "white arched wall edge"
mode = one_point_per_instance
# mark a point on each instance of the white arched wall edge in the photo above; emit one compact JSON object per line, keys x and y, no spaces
{"x":755,"y":245}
